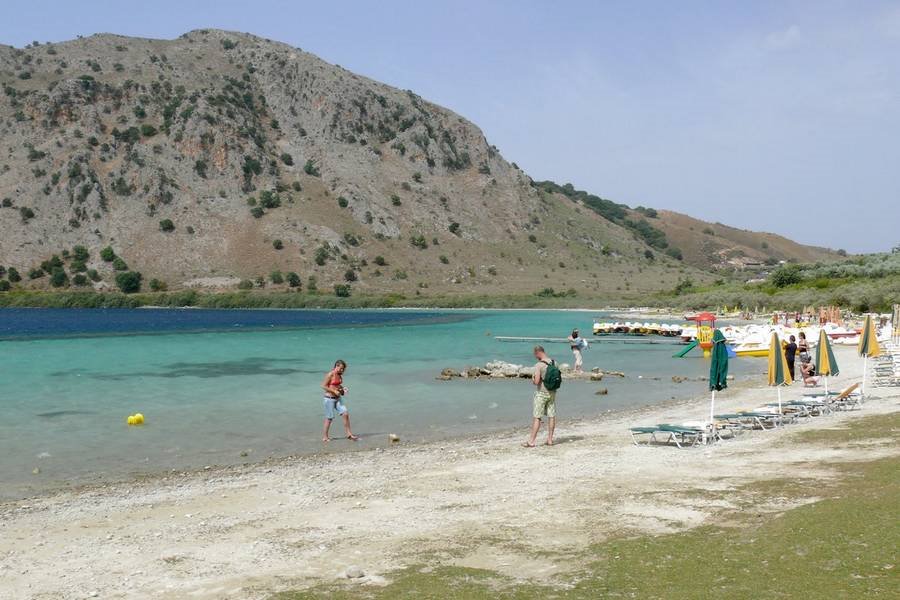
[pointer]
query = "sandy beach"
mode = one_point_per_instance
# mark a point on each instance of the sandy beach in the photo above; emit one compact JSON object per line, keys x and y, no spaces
{"x":246,"y":532}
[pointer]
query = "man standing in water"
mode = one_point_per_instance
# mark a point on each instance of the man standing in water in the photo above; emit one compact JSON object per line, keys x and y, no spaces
{"x":333,"y":384}
{"x":547,"y":379}
{"x":578,"y":345}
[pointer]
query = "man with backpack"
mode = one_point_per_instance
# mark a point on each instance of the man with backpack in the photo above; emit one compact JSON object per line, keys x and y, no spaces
{"x":547,"y":378}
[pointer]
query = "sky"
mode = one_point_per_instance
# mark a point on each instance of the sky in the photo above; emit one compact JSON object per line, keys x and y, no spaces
{"x":779,"y":116}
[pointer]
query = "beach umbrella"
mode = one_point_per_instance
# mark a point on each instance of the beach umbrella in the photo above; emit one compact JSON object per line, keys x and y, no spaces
{"x":718,"y":370}
{"x":868,"y":346}
{"x":825,"y":363}
{"x":778,"y":370}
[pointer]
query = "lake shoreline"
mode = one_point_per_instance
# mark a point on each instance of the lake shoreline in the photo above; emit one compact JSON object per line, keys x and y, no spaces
{"x":264,"y":299}
{"x":94,"y":484}
{"x":249,"y":530}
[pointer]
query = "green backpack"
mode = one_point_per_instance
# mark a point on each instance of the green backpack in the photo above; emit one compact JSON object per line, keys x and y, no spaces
{"x":552,"y":377}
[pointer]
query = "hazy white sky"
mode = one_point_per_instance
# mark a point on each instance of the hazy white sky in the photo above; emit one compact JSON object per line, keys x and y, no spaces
{"x":779,"y":116}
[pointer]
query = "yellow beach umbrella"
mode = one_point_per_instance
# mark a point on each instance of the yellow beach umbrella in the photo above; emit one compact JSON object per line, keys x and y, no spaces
{"x":825,"y":363}
{"x":868,"y":346}
{"x":778,"y":369}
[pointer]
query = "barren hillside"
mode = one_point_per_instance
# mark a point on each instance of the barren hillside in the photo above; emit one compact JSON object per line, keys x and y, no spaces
{"x":220,"y":160}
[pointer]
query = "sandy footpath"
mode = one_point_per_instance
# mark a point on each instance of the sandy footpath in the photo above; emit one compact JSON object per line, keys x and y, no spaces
{"x":485,"y":502}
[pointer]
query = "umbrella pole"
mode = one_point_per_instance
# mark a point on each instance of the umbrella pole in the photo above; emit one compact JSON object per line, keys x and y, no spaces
{"x":862,"y":392}
{"x":779,"y":399}
{"x":826,"y":386}
{"x":712,"y":406}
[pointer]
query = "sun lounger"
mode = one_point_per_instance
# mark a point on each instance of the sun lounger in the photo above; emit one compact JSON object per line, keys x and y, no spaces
{"x":846,"y":392}
{"x":801,"y":409}
{"x":848,"y":399}
{"x":779,"y":417}
{"x":751,"y":420}
{"x":815,"y":407}
{"x":684,"y":434}
{"x":712,"y":431}
{"x":680,"y":436}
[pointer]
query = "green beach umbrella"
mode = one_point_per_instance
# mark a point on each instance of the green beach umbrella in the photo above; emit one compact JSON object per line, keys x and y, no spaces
{"x":868,"y":346}
{"x":778,"y":371}
{"x":825,"y":363}
{"x":718,"y":370}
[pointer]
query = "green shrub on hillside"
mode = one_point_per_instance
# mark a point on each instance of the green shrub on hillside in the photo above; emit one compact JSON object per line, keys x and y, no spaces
{"x":13,"y":275}
{"x":276,"y":277}
{"x":310,"y":168}
{"x":129,"y":282}
{"x":277,"y":244}
{"x":80,"y":253}
{"x":786,"y":275}
{"x":675,"y":253}
{"x":119,"y":264}
{"x":341,"y":290}
{"x":269,"y":199}
{"x":108,"y":254}
{"x":58,"y":277}
{"x":54,"y":262}
{"x":293,"y":280}
{"x":158,"y":286}
{"x":166,"y":225}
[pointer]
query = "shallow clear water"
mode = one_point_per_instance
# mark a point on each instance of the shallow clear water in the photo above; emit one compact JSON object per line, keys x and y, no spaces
{"x":216,"y":384}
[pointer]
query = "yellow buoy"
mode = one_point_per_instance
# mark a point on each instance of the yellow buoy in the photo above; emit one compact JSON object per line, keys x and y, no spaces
{"x":139,"y":419}
{"x":130,"y":420}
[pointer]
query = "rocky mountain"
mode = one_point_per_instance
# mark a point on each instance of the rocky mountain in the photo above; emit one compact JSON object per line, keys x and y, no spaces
{"x":221,"y":160}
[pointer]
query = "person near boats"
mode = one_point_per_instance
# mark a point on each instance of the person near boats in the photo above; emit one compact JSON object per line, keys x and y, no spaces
{"x":808,"y":372}
{"x":333,"y":385}
{"x":790,"y":352}
{"x":802,"y":345}
{"x":578,"y":345}
{"x":547,"y":378}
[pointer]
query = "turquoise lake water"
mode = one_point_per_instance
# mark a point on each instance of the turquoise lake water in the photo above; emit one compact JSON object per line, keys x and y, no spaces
{"x":214,"y":385}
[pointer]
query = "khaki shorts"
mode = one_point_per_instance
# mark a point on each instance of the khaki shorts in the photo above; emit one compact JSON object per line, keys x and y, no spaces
{"x":544,"y":404}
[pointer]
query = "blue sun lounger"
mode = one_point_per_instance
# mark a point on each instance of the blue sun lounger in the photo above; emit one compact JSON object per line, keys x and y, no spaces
{"x":680,"y":436}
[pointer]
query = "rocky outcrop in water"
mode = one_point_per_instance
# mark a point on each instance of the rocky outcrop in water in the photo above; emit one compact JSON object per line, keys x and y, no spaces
{"x":498,"y":369}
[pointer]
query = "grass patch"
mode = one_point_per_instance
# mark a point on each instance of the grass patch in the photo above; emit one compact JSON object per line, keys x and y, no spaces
{"x":844,"y":546}
{"x":861,"y":429}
